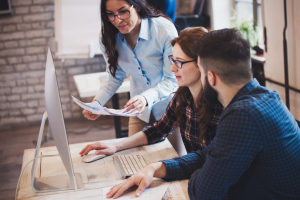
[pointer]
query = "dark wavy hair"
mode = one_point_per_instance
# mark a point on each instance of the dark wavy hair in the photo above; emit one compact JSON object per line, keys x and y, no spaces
{"x":186,"y":40}
{"x":109,"y":31}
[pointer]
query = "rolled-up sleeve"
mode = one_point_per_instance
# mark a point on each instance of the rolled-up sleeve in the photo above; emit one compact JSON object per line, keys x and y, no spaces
{"x":162,"y":128}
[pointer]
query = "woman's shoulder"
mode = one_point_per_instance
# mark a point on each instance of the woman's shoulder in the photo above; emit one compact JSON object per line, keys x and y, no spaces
{"x":162,"y":21}
{"x":163,"y":25}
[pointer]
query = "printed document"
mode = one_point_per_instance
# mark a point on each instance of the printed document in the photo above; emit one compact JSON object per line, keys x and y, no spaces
{"x":96,"y":108}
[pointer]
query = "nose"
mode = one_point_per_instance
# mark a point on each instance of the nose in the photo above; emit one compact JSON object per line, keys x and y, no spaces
{"x":117,"y":20}
{"x":173,"y":68}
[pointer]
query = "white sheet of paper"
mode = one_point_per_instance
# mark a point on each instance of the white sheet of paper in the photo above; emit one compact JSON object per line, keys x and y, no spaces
{"x":96,"y":108}
{"x":174,"y":192}
{"x":156,"y":191}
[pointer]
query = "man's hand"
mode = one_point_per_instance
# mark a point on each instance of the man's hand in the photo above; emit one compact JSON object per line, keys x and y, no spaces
{"x":142,"y":179}
{"x":137,"y":102}
{"x":103,"y":148}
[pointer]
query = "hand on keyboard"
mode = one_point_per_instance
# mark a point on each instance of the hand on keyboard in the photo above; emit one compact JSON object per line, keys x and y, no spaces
{"x":103,"y":148}
{"x":142,"y":179}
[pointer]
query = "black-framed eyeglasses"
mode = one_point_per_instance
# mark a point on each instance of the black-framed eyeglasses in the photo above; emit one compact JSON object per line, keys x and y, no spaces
{"x":178,"y":63}
{"x":123,"y":14}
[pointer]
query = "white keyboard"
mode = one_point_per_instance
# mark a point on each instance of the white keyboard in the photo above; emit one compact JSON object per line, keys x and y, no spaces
{"x":128,"y":165}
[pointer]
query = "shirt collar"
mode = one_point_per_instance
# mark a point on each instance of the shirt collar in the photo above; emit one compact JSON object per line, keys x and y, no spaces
{"x":144,"y":31}
{"x":244,"y":90}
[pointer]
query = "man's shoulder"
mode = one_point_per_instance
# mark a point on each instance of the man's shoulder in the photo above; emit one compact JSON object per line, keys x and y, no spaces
{"x":261,"y":105}
{"x":256,"y":98}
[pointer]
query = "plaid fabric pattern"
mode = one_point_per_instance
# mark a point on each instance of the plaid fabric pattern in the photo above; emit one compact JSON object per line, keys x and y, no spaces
{"x":188,"y":129}
{"x":254,"y":155}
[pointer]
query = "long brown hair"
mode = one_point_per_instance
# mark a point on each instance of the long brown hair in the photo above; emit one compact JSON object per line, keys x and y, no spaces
{"x":186,"y":40}
{"x":109,"y":31}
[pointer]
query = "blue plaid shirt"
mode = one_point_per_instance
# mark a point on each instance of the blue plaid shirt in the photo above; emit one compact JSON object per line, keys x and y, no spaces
{"x":254,"y":155}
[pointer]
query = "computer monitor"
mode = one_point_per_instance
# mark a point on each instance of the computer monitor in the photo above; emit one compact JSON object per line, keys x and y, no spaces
{"x":55,"y":117}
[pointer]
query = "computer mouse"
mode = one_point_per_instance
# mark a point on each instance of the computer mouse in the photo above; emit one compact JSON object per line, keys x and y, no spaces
{"x":92,"y":157}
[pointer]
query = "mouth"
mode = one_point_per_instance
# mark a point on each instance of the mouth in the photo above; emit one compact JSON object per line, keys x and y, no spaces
{"x":122,"y":27}
{"x":177,"y":77}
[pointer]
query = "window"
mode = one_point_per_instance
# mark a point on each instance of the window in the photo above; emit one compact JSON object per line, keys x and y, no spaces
{"x":77,"y":28}
{"x":250,"y":9}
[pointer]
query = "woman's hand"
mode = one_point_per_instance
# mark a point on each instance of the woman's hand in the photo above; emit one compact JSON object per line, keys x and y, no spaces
{"x":142,"y":179}
{"x":137,"y":102}
{"x":103,"y":148}
{"x":89,"y":115}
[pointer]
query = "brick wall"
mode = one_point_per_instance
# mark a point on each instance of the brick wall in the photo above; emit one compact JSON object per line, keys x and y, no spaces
{"x":24,"y":38}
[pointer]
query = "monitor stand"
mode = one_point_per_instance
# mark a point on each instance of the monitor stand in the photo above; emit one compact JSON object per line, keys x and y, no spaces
{"x":52,"y":183}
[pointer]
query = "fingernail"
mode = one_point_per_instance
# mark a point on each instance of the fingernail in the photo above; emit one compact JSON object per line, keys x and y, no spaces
{"x":138,"y":194}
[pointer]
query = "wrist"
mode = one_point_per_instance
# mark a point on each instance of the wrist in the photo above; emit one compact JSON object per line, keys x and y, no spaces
{"x":118,"y":146}
{"x":159,"y":169}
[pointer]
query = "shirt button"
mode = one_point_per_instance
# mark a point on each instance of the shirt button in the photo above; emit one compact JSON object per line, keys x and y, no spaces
{"x":139,"y":68}
{"x":143,"y":74}
{"x":147,"y":83}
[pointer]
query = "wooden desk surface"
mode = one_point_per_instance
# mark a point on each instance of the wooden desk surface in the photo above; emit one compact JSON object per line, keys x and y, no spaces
{"x":95,"y":175}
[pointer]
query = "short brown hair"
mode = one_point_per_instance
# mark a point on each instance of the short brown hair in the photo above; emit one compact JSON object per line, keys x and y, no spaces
{"x":226,"y":53}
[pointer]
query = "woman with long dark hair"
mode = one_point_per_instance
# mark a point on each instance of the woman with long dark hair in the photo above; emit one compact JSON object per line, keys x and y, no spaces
{"x":188,"y":109}
{"x":135,"y":40}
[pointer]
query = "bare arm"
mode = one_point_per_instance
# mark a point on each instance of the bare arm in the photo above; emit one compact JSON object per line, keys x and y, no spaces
{"x":135,"y":140}
{"x":110,"y":148}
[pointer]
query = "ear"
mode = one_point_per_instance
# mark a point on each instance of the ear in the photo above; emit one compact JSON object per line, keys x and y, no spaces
{"x":212,"y":78}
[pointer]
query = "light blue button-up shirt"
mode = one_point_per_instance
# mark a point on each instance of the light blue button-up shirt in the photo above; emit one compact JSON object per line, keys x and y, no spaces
{"x":147,"y":65}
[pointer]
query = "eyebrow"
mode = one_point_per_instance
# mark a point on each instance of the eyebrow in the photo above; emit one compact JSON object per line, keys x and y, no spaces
{"x":118,"y":9}
{"x":179,"y":58}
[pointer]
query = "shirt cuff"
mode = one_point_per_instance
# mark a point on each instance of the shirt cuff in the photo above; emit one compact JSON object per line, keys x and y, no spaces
{"x":151,"y":97}
{"x":172,"y":168}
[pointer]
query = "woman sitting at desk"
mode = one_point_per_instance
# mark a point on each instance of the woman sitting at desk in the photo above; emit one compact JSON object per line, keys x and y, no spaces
{"x":188,"y":109}
{"x":135,"y":39}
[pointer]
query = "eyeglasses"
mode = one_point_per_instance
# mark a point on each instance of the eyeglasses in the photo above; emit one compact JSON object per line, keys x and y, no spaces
{"x":178,"y":64}
{"x":123,"y":14}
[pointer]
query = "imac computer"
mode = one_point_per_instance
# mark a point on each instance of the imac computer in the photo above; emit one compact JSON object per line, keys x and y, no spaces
{"x":70,"y":180}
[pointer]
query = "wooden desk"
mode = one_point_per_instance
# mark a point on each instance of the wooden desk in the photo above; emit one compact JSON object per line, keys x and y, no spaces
{"x":89,"y":84}
{"x":95,"y":175}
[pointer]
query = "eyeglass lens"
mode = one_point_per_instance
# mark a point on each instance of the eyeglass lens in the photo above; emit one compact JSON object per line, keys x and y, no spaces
{"x":178,"y":64}
{"x":124,"y":14}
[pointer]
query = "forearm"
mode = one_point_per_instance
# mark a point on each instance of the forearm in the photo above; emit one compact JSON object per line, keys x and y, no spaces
{"x":183,"y":167}
{"x":159,"y":168}
{"x":137,"y":139}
